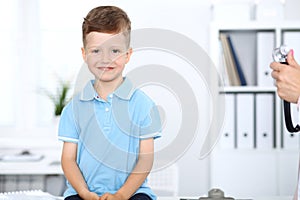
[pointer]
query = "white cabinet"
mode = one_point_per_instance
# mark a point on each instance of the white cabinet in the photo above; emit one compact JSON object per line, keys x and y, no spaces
{"x":255,"y":155}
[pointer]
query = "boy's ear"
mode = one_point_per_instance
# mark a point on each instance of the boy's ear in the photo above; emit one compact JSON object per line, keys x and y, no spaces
{"x":128,"y":55}
{"x":83,"y":54}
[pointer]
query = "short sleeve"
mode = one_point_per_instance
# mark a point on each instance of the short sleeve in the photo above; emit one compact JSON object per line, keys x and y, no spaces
{"x":151,"y":125}
{"x":67,"y":130}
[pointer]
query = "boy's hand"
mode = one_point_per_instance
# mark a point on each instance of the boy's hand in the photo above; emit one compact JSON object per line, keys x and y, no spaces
{"x":116,"y":196}
{"x":91,"y":196}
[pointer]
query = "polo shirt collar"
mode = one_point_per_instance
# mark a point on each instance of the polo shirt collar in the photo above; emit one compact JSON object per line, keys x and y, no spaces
{"x":124,"y":91}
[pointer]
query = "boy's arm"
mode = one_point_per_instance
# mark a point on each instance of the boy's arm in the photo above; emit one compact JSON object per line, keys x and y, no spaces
{"x":139,"y":173}
{"x":73,"y":173}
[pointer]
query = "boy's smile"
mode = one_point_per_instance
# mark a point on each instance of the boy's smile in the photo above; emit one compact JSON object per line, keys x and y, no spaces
{"x":105,"y":68}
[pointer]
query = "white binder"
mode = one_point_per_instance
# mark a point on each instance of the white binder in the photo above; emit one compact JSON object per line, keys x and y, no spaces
{"x":291,"y":140}
{"x":227,"y":136}
{"x":245,"y":121}
{"x":265,"y":46}
{"x":264,"y":121}
{"x":292,"y":40}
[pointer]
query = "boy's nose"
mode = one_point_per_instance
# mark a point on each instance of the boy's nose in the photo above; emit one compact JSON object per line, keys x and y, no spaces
{"x":105,"y":57}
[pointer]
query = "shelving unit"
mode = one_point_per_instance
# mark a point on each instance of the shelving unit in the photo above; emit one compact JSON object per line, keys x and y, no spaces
{"x":250,"y":170}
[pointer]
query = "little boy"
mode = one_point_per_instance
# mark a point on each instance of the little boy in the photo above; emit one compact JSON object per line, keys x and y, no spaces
{"x":109,"y":127}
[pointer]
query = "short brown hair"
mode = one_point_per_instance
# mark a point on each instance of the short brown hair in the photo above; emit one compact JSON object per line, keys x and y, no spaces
{"x":106,"y":19}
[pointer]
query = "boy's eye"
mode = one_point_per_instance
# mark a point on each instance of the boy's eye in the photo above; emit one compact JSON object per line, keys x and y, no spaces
{"x":95,"y":51}
{"x":116,"y":51}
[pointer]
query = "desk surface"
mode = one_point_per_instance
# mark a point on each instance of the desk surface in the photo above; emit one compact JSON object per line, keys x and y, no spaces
{"x":42,"y":194}
{"x":48,"y":165}
{"x":257,"y":198}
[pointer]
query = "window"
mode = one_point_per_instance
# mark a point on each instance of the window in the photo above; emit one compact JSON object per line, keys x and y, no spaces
{"x":8,"y":53}
{"x":60,"y":48}
{"x":40,"y":43}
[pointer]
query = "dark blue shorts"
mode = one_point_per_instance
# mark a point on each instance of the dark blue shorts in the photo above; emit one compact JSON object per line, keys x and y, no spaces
{"x":138,"y":196}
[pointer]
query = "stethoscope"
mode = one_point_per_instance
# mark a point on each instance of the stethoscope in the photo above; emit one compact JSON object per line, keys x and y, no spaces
{"x":280,"y":55}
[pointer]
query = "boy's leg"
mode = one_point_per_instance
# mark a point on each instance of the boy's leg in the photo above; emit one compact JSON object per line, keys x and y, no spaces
{"x":140,"y":196}
{"x":73,"y":197}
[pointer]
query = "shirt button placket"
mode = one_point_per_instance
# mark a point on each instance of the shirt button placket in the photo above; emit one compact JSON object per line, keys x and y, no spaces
{"x":107,"y":110}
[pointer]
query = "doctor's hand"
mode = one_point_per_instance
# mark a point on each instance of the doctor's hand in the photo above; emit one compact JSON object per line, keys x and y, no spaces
{"x":287,"y":78}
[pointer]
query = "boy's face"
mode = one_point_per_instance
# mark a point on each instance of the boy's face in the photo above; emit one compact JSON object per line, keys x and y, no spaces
{"x":106,"y":55}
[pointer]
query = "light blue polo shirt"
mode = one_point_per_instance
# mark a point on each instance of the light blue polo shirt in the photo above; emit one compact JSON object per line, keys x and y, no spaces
{"x":108,"y":135}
